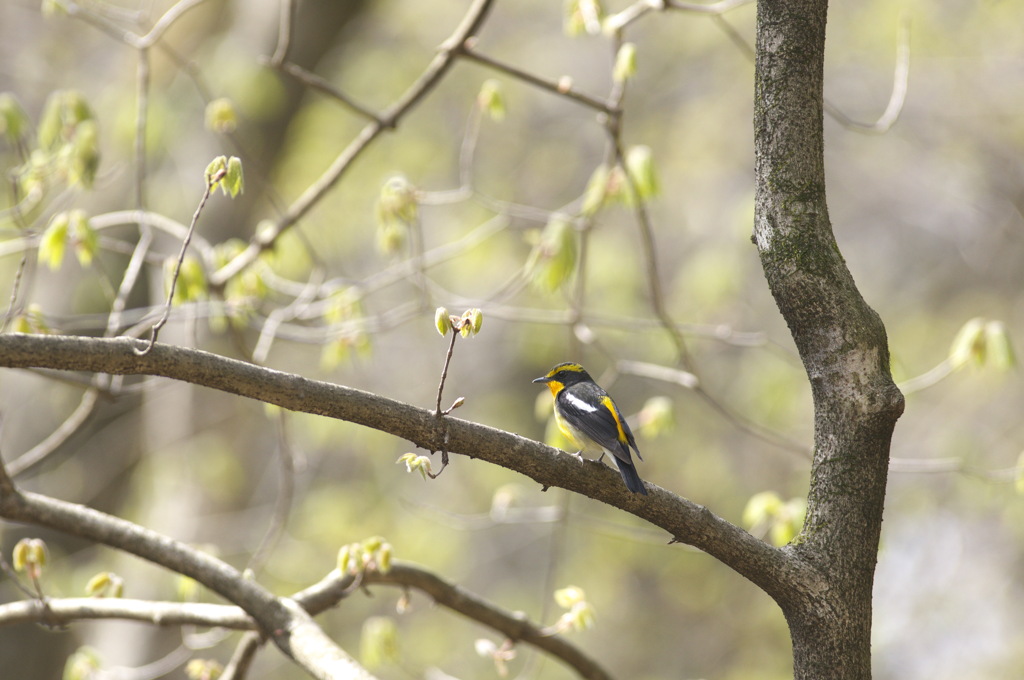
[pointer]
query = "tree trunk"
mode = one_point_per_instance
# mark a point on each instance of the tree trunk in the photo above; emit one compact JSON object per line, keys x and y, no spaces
{"x":841,"y":341}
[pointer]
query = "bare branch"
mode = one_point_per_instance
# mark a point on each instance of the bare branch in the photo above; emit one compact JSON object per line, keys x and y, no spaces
{"x":284,"y":33}
{"x":40,"y":451}
{"x":211,"y":183}
{"x":437,"y":68}
{"x":771,"y":568}
{"x":316,"y":599}
{"x":555,"y":87}
{"x":898,"y":96}
{"x":287,"y":624}
{"x":315,"y":82}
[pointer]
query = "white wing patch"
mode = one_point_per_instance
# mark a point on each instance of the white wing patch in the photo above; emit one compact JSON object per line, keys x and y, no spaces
{"x":580,"y":404}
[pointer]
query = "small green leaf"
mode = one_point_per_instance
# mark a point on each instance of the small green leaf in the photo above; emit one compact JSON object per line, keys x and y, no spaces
{"x":442,"y":322}
{"x":596,"y":192}
{"x":373,"y":543}
{"x":384,"y":556}
{"x":83,"y":664}
{"x":625,"y":63}
{"x":345,"y":559}
{"x":38,"y":552}
{"x":580,"y":615}
{"x":334,"y":354}
{"x":999,"y":347}
{"x":85,"y":155}
{"x":234,"y":183}
{"x":969,"y":344}
{"x":491,"y":101}
{"x":215,"y":172}
{"x":54,"y":241}
{"x":105,"y":583}
{"x":569,"y":596}
{"x":583,"y":17}
{"x":221,"y":116}
{"x":475,"y":318}
{"x":396,"y":211}
{"x":83,"y":237}
{"x":378,"y":645}
{"x":50,"y":124}
{"x":31,"y":321}
{"x":203,"y":669}
{"x":640,"y":164}
{"x":64,"y":111}
{"x":19,"y":556}
{"x":761,"y":507}
{"x":788,"y":521}
{"x":13,"y":119}
{"x":553,"y":260}
{"x":416,"y":463}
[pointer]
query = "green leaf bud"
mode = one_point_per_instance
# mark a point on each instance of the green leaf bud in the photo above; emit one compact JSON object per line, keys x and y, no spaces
{"x":640,"y":164}
{"x":583,"y":17}
{"x":54,"y":241}
{"x":474,"y":318}
{"x":13,"y":119}
{"x":442,"y":322}
{"x":85,"y":155}
{"x":553,"y":260}
{"x":378,"y":645}
{"x":569,"y":596}
{"x":761,"y":507}
{"x":98,"y":584}
{"x":234,"y":183}
{"x":19,"y":556}
{"x":969,"y":344}
{"x":221,"y":116}
{"x":999,"y":348}
{"x":491,"y":101}
{"x":625,"y":63}
{"x":84,"y":237}
{"x":384,"y":558}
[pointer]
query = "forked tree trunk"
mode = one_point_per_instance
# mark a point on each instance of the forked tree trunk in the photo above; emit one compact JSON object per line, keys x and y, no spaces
{"x":841,"y":341}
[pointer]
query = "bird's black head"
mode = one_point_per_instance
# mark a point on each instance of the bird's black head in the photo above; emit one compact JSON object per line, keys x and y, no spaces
{"x":568,"y":373}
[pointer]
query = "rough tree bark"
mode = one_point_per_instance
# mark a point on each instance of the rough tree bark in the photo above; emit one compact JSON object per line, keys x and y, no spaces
{"x":841,"y":341}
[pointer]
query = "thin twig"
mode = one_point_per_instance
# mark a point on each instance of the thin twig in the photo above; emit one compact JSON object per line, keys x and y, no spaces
{"x":284,"y":32}
{"x":285,"y":494}
{"x":437,"y":68}
{"x":175,"y":12}
{"x":315,"y":82}
{"x":650,"y":251}
{"x":438,"y":413}
{"x":155,"y":330}
{"x":898,"y":96}
{"x":444,"y":373}
{"x":71,"y":424}
{"x":242,"y":658}
{"x":556,"y":87}
{"x":13,"y":305}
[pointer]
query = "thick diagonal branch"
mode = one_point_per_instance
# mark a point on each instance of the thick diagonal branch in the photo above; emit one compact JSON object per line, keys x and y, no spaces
{"x":772,"y":568}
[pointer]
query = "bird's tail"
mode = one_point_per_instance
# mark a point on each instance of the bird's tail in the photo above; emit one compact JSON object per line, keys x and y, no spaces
{"x":630,"y":476}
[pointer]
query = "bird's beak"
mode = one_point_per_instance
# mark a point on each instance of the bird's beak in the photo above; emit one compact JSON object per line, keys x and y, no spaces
{"x":542,"y":379}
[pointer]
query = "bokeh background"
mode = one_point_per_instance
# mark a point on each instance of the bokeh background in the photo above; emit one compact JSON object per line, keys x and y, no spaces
{"x":928,"y":216}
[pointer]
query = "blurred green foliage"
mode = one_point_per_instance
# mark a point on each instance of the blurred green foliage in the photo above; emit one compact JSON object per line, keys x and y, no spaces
{"x":495,"y":195}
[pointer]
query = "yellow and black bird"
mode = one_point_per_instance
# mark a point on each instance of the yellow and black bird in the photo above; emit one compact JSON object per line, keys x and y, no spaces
{"x":589,"y":418}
